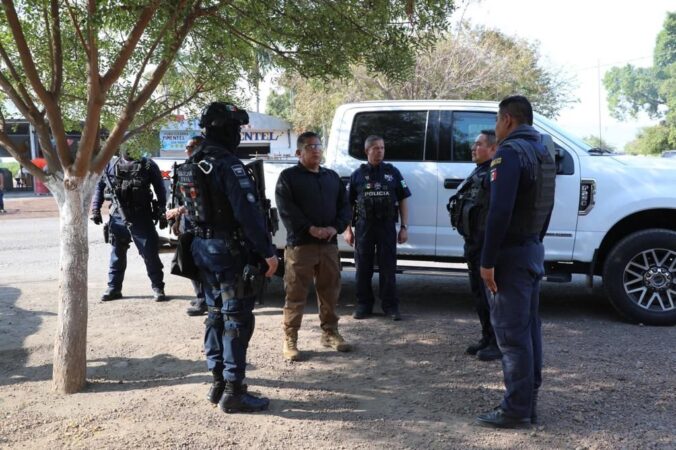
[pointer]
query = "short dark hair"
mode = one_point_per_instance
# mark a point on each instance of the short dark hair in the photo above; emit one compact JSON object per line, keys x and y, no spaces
{"x":490,"y":136}
{"x":303,"y":137}
{"x":518,"y":107}
{"x":198,"y":137}
{"x":371,"y":139}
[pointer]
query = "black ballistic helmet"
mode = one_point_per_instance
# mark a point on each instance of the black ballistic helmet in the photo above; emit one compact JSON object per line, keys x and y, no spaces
{"x":219,"y":114}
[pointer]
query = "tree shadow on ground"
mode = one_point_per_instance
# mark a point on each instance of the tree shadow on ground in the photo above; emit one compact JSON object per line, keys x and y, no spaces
{"x":126,"y":374}
{"x":16,"y":325}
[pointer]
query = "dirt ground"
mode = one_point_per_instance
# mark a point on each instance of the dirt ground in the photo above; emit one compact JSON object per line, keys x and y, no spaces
{"x":407,"y":385}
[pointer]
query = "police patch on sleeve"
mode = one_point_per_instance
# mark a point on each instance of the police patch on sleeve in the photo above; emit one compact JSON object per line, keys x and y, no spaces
{"x":496,"y":161}
{"x":239,"y":170}
{"x":494,"y":174}
{"x":241,"y":175}
{"x":251,"y":197}
{"x":403,"y":184}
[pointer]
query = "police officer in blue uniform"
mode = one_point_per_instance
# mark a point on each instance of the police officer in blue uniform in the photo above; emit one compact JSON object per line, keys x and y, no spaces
{"x":522,"y":178}
{"x":378,"y":193}
{"x":468,"y":208}
{"x":126,"y":183}
{"x":230,"y":242}
{"x":181,"y":224}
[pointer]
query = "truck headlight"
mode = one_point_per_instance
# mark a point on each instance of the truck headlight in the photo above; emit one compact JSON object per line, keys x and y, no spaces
{"x":587,"y":194}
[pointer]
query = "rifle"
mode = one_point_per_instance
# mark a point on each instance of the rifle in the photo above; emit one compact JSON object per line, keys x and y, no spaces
{"x":255,"y":171}
{"x":113,"y":195}
{"x":172,"y":202}
{"x":254,"y":275}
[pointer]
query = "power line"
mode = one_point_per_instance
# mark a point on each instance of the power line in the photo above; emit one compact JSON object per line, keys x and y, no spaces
{"x":610,"y":64}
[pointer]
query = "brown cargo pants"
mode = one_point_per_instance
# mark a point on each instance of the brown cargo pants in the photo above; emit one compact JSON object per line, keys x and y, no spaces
{"x":301,"y":264}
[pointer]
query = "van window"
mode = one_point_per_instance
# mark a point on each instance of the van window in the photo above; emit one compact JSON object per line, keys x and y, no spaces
{"x":403,"y":131}
{"x":459,"y":130}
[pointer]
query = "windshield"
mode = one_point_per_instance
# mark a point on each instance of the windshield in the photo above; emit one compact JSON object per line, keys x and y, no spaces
{"x":552,"y":128}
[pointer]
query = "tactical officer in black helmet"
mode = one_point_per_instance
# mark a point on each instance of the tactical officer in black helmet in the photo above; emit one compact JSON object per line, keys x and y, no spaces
{"x":230,"y":236}
{"x":126,"y":183}
{"x":522,"y":175}
{"x":468,"y":209}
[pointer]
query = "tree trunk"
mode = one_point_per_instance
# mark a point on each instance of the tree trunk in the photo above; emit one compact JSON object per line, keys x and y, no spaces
{"x":70,"y":341}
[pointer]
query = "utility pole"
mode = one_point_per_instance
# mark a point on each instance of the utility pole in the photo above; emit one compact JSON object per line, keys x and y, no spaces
{"x":598,"y":79}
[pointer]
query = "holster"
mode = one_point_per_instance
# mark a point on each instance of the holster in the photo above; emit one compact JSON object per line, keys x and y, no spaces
{"x":106,"y":232}
{"x":251,"y":282}
{"x":183,"y":263}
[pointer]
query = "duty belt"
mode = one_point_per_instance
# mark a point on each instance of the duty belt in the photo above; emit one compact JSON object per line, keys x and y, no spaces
{"x":208,"y":233}
{"x":519,"y":241}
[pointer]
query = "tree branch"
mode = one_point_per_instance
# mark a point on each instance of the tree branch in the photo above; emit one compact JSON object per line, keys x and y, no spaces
{"x":150,"y":52}
{"x":25,"y":96}
{"x":129,"y":46}
{"x":51,"y":106}
{"x":117,"y":134}
{"x":163,"y":114}
{"x":20,"y":156}
{"x":95,"y":98}
{"x":57,"y":71}
{"x":78,"y":31}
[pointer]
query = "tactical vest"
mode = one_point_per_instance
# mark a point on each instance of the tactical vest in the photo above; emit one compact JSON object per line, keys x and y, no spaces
{"x":377,"y":201}
{"x":469,"y":206}
{"x":208,"y":207}
{"x":132,"y":185}
{"x":532,"y":207}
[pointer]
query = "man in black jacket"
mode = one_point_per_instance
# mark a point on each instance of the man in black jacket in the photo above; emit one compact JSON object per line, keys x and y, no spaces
{"x":313,"y":205}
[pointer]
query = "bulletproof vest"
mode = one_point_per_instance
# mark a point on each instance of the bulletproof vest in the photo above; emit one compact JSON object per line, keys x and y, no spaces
{"x":532,"y":207}
{"x":377,"y":201}
{"x":132,"y":185}
{"x":468,"y":207}
{"x":207,"y":205}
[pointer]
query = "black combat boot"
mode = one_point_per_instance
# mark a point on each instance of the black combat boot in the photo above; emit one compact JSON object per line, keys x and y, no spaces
{"x":217,"y":387}
{"x":111,"y":294}
{"x":198,"y":308}
{"x":237,"y":399}
{"x":474,"y":348}
{"x":489,"y":353}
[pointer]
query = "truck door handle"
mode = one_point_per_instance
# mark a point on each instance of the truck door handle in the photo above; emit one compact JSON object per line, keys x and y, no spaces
{"x":452,"y":183}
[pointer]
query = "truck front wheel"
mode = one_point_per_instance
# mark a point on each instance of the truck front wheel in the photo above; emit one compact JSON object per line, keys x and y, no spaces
{"x":639,"y":276}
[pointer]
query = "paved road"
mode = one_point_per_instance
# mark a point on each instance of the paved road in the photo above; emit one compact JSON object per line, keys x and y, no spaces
{"x":30,"y":254}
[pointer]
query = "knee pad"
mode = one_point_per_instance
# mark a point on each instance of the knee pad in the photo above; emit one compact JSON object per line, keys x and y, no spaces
{"x":238,"y":326}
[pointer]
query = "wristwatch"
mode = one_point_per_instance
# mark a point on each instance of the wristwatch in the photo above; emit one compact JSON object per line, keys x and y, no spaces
{"x":403,"y":227}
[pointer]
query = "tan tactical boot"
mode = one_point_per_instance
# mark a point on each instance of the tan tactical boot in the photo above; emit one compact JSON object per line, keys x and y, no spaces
{"x":333,"y":339}
{"x":290,"y":349}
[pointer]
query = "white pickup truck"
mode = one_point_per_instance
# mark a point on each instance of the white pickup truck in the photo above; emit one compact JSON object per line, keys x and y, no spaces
{"x":614,"y":215}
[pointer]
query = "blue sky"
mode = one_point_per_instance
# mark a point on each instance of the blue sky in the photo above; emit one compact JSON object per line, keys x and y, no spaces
{"x":578,"y":36}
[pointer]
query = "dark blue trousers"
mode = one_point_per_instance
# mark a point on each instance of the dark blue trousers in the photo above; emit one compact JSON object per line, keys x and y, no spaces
{"x":378,"y":239}
{"x":516,"y":321}
{"x":144,"y":235}
{"x":230,"y":322}
{"x":479,"y":292}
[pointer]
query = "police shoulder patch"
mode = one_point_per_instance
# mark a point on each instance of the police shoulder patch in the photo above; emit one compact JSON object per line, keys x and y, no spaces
{"x":494,"y":174}
{"x":496,"y":161}
{"x":403,"y":184}
{"x":239,"y":171}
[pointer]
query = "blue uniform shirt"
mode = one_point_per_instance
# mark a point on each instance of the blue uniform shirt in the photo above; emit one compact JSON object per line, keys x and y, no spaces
{"x":509,"y":177}
{"x":153,"y":177}
{"x":231,"y":177}
{"x":385,"y":174}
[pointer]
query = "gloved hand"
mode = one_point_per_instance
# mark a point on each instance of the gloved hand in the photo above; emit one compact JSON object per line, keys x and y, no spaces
{"x":164,"y":223}
{"x":96,"y":217}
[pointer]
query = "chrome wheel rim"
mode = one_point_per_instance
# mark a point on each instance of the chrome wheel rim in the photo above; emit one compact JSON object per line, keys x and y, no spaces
{"x":650,"y":279}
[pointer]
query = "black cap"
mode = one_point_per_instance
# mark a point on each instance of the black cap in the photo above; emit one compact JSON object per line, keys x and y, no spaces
{"x":218,"y":114}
